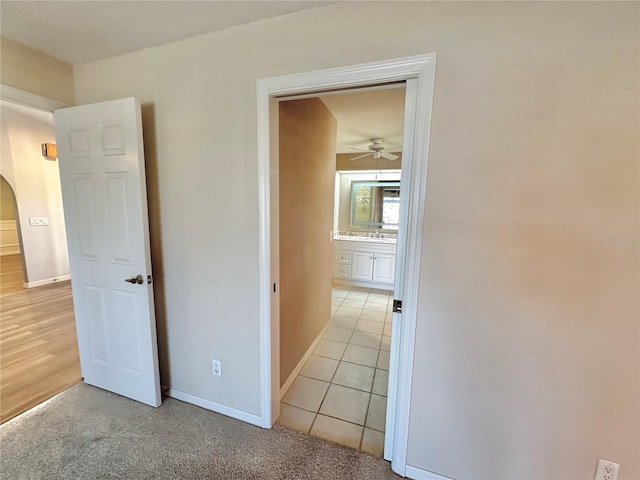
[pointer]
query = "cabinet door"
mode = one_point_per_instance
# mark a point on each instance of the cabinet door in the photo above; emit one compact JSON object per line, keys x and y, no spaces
{"x":384,"y":267}
{"x":362,"y":267}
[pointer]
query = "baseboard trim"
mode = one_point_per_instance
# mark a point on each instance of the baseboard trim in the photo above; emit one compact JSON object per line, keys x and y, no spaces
{"x":416,"y":473}
{"x":215,"y":407}
{"x":46,"y":281}
{"x":287,"y":385}
{"x":358,"y":283}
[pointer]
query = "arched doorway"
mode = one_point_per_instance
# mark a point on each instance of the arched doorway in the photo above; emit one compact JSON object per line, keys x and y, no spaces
{"x":12,"y":276}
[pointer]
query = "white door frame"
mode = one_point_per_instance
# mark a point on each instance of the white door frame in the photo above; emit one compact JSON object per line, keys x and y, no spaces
{"x":28,"y":99}
{"x":421,"y":68}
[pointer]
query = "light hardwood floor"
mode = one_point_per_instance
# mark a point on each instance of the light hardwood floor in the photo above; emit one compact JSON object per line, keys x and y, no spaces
{"x":38,"y":345}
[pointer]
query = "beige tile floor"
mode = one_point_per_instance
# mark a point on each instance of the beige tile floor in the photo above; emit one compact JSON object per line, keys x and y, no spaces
{"x":341,"y":392}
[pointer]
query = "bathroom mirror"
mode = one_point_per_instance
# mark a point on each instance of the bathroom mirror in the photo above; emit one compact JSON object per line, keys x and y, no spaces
{"x":375,"y":204}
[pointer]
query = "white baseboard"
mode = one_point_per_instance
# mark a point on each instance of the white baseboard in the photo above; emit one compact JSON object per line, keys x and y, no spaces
{"x":216,"y":407}
{"x":287,"y":385}
{"x":358,"y":283}
{"x":46,"y":281}
{"x":416,"y":473}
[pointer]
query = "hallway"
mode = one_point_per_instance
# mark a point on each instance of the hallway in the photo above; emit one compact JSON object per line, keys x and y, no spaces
{"x":38,"y":346}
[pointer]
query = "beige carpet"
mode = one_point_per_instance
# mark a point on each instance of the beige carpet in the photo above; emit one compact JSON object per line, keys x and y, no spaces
{"x":87,"y":433}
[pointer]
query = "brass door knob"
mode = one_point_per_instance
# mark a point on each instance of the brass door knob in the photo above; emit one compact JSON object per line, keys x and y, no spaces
{"x":139,"y":279}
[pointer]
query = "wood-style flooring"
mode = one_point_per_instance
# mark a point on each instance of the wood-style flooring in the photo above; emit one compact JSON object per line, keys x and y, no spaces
{"x":38,"y":343}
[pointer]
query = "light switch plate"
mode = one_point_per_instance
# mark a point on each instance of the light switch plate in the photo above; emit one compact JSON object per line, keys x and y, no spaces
{"x":38,"y":221}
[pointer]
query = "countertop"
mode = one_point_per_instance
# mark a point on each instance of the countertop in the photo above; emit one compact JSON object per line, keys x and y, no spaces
{"x":362,"y":238}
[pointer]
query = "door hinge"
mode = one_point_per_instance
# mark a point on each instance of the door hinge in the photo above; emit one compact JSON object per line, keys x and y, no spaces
{"x":397,"y":306}
{"x":149,"y":279}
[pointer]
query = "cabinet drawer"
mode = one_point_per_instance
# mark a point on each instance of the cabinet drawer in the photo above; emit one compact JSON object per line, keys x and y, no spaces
{"x":343,"y":245}
{"x":342,"y":271}
{"x":342,"y":257}
{"x":374,"y":247}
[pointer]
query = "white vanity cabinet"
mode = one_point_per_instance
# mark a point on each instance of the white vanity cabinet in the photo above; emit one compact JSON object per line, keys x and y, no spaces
{"x":364,"y":263}
{"x":342,"y":261}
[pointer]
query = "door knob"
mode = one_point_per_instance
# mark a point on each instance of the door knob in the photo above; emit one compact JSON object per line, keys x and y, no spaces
{"x":139,"y":279}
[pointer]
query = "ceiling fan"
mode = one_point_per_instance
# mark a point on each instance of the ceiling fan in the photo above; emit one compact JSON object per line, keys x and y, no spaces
{"x":377,"y":150}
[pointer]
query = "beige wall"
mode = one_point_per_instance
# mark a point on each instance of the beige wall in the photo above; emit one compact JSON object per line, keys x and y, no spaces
{"x":36,"y":185}
{"x":307,"y":183}
{"x":33,"y":71}
{"x":527,"y":353}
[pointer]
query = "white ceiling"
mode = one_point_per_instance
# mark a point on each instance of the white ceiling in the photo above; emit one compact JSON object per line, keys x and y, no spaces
{"x":82,"y":31}
{"x":367,"y":114}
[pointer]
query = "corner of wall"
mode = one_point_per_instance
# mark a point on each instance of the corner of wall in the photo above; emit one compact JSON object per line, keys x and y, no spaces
{"x":36,"y":72}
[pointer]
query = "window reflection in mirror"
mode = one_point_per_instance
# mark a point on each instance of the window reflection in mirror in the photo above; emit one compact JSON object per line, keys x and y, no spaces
{"x":375,"y":204}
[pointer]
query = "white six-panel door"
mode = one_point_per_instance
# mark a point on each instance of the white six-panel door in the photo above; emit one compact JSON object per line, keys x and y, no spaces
{"x":102,"y":172}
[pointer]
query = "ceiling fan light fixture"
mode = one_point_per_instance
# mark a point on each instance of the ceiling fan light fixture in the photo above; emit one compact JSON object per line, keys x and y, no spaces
{"x":377,"y":150}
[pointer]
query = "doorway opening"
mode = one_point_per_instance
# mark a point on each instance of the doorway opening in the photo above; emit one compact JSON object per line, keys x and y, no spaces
{"x":418,"y":73}
{"x":339,"y":192}
{"x":38,"y":347}
{"x":12,"y":274}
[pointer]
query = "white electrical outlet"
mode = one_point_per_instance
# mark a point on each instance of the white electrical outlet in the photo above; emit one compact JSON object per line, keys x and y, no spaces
{"x":217,"y":367}
{"x":606,"y":470}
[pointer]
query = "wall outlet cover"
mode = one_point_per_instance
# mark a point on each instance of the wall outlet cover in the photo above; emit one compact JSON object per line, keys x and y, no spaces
{"x":606,"y":470}
{"x":216,"y":366}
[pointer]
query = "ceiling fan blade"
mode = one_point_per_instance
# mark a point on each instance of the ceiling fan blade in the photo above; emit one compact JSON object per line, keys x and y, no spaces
{"x":359,"y":149}
{"x":362,"y":156}
{"x":388,"y":156}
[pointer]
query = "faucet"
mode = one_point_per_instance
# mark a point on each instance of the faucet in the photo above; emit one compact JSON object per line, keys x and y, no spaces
{"x":377,"y":233}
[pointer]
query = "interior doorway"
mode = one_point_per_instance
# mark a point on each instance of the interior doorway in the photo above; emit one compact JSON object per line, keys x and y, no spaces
{"x":339,"y":189}
{"x":38,"y":349}
{"x":120,"y":141}
{"x":38,"y":346}
{"x":12,"y":276}
{"x":418,"y":72}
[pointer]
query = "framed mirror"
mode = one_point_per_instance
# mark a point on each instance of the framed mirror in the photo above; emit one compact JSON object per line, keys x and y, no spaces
{"x":375,"y":204}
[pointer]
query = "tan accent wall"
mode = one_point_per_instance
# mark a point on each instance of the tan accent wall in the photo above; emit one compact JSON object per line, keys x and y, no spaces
{"x":307,"y":181}
{"x":36,"y":72}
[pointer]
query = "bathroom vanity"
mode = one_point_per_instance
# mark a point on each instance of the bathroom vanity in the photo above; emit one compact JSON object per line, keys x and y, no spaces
{"x":367,"y":218}
{"x":364,"y":261}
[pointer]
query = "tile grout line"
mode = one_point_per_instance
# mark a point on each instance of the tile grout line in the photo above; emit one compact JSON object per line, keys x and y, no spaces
{"x":369,"y":404}
{"x":335,"y":418}
{"x":315,"y":417}
{"x":327,"y":390}
{"x":329,"y":387}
